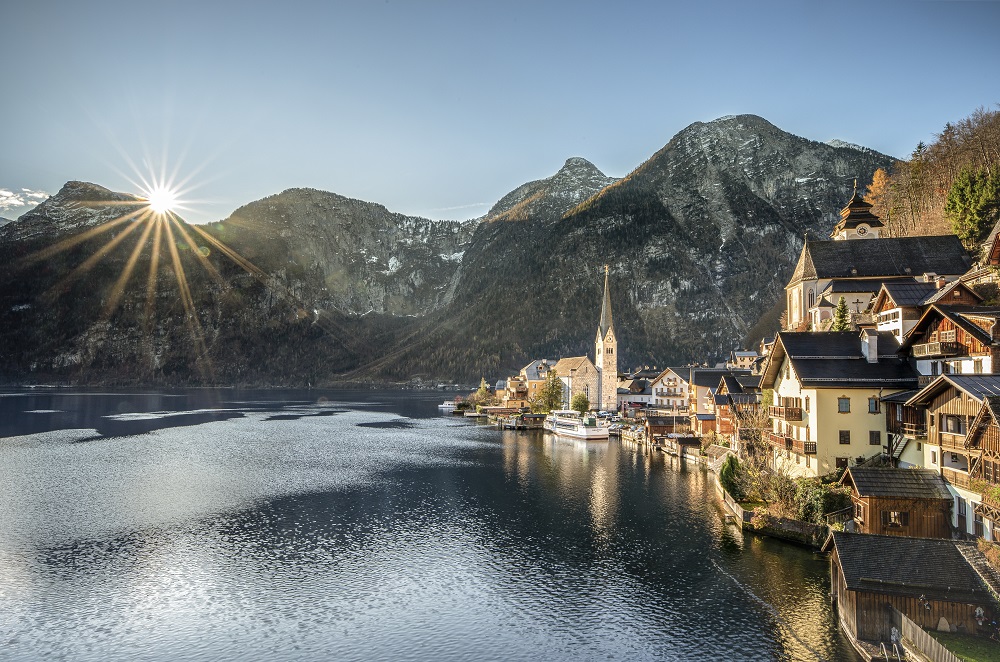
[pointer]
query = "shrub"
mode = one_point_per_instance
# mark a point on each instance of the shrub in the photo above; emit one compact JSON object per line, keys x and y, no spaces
{"x":729,"y":477}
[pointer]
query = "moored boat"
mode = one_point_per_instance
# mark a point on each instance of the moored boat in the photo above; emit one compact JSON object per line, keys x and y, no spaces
{"x":447,"y":406}
{"x":571,"y":423}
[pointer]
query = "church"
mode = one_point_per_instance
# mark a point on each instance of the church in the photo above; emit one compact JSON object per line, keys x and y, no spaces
{"x":857,"y":261}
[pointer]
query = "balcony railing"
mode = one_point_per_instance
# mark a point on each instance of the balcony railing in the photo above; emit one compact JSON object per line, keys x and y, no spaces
{"x":924,"y":380}
{"x":956,"y":478}
{"x":779,"y":441}
{"x":785,"y":413}
{"x":937,"y":349}
{"x":991,"y":501}
{"x":915,"y":430}
{"x":952,"y":442}
{"x":803,"y":447}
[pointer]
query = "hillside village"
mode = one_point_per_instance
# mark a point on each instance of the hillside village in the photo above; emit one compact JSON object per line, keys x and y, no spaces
{"x":878,"y":400}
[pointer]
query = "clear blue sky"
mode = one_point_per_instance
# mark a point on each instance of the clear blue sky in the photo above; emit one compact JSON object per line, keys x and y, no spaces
{"x":438,"y":108}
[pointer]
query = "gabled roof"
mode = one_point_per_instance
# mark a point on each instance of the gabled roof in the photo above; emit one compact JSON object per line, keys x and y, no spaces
{"x":959,"y":315}
{"x":683,"y":372}
{"x":977,"y":387}
{"x":879,"y":258}
{"x":834,"y":359}
{"x":904,"y":293}
{"x":898,"y":565}
{"x":946,"y":291}
{"x":904,"y":483}
{"x":566,"y":366}
{"x":531,"y":371}
{"x":710,"y":377}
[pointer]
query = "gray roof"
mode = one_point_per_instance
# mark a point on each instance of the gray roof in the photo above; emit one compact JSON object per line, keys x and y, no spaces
{"x":853,"y":285}
{"x":900,"y":397}
{"x":977,"y":386}
{"x":959,"y":316}
{"x":872,"y":258}
{"x":904,"y":566}
{"x":906,"y":483}
{"x":833,"y":359}
{"x":710,"y":377}
{"x":531,"y":370}
{"x":909,"y":292}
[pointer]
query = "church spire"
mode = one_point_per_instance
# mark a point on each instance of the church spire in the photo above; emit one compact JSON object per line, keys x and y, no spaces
{"x":606,"y":322}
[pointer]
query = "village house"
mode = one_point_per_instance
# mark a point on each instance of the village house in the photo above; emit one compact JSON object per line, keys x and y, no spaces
{"x":827,"y":389}
{"x":702,"y":404}
{"x":950,"y":404}
{"x":898,"y":306}
{"x":741,"y":359}
{"x":735,"y":396}
{"x":635,"y":391}
{"x":524,"y":387}
{"x":671,"y":390}
{"x":951,"y":339}
{"x":930,"y":581}
{"x":983,"y":446}
{"x":899,"y":502}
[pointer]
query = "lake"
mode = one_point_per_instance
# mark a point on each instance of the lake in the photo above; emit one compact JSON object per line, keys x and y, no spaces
{"x":363,"y":525}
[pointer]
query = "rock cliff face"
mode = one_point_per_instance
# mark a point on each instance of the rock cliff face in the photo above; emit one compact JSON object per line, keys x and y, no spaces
{"x":364,"y":257}
{"x":700,"y":240}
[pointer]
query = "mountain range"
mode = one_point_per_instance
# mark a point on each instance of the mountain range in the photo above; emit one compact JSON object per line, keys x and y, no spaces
{"x":310,"y":287}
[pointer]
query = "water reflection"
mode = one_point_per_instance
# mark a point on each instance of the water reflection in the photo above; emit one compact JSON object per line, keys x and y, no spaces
{"x":354,"y":537}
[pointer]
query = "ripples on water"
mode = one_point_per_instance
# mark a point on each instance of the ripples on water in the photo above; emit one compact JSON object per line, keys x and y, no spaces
{"x":357,"y":529}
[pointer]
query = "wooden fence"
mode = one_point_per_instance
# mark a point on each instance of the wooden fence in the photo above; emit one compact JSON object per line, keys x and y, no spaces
{"x":915,"y":637}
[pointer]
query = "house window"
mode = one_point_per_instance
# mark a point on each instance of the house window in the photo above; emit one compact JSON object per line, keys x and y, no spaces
{"x":978,"y":524}
{"x":933,"y":457}
{"x":844,"y":405}
{"x":807,"y":403}
{"x":920,"y":446}
{"x":798,"y":459}
{"x":895,"y":518}
{"x":845,"y":436}
{"x":873,"y":406}
{"x":808,"y":462}
{"x":874,"y":438}
{"x":841,"y":462}
{"x":977,"y":366}
{"x":953,"y":424}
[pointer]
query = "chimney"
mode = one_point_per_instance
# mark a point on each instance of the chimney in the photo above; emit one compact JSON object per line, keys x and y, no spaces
{"x":940,"y":282}
{"x":869,"y":345}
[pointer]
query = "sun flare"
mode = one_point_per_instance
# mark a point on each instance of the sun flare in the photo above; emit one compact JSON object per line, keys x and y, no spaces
{"x":161,"y":200}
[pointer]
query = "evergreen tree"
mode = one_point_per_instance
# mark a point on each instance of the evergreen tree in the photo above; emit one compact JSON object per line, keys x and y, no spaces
{"x":581,"y":403}
{"x":550,"y":395}
{"x":972,"y":205}
{"x":841,"y":317}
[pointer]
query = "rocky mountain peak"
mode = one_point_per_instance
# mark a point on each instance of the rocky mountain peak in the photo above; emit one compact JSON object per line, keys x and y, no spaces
{"x":77,"y":205}
{"x":550,"y":198}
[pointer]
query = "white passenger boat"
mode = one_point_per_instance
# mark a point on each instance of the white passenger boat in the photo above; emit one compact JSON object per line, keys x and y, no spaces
{"x":571,"y":423}
{"x":447,"y":406}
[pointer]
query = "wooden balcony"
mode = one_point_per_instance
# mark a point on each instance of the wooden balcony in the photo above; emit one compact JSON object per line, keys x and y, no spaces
{"x":785,"y":413}
{"x":956,"y":478}
{"x":990,"y":501}
{"x":803,"y":447}
{"x":779,"y":441}
{"x":952,"y":442}
{"x":915,"y":430}
{"x":934,"y":349}
{"x":924,"y":380}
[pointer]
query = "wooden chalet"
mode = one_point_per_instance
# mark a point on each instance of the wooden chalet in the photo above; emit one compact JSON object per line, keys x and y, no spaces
{"x":898,"y":306}
{"x":899,"y":502}
{"x":983,"y":445}
{"x":925,"y":579}
{"x":953,"y":339}
{"x":658,"y":426}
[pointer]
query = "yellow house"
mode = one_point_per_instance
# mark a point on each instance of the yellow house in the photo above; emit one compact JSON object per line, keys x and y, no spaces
{"x":827,"y":389}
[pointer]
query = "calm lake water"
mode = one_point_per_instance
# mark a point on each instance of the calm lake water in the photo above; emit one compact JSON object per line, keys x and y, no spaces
{"x":204,"y":525}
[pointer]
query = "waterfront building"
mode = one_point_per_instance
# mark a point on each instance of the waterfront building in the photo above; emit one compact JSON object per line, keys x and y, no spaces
{"x":931,"y":582}
{"x":525,"y":386}
{"x":606,"y":354}
{"x":671,"y":390}
{"x":899,"y":502}
{"x":826,"y":411}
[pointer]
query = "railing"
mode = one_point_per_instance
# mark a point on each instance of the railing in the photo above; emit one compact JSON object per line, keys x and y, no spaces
{"x":915,"y":430}
{"x":956,"y":478}
{"x":840,"y":516}
{"x":803,"y":447}
{"x":937,"y":349}
{"x":924,"y":380}
{"x":785,"y":413}
{"x":778,"y":440}
{"x":925,"y":644}
{"x":990,"y":500}
{"x":952,"y":441}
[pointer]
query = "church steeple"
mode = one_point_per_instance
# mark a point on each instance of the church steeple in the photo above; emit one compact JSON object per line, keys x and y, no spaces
{"x":606,"y":322}
{"x":605,"y":353}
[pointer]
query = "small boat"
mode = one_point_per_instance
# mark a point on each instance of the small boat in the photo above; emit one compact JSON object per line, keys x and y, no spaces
{"x":447,"y":406}
{"x":571,"y":423}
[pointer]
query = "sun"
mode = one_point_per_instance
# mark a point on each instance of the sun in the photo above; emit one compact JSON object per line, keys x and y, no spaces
{"x":161,"y":200}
